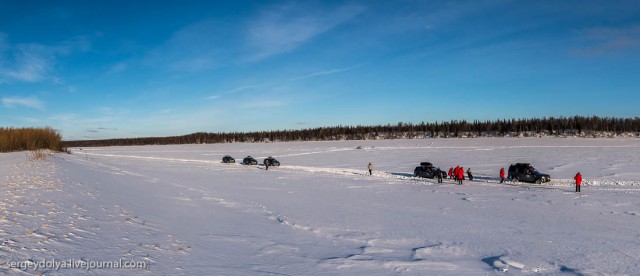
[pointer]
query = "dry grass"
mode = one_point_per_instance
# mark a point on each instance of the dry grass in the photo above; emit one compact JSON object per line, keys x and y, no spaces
{"x":21,"y":139}
{"x":38,"y":154}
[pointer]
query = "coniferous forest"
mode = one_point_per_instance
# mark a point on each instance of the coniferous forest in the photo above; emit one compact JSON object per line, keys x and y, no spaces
{"x":562,"y":126}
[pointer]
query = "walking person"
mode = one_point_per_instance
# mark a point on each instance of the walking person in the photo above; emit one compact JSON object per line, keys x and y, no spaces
{"x":439,"y":175}
{"x":469,"y":174}
{"x":450,"y":173}
{"x":370,"y":167}
{"x":501,"y":175}
{"x":578,"y":179}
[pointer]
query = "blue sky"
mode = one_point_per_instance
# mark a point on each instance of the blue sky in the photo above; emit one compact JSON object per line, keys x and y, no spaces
{"x":105,"y":69}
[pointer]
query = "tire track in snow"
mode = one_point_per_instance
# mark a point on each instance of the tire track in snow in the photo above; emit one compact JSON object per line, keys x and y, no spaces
{"x":393,"y":175}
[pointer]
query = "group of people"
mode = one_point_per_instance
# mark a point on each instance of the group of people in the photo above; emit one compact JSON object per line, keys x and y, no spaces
{"x":457,"y":173}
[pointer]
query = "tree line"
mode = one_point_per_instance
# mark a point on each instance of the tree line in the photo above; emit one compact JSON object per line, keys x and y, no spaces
{"x":21,"y":139}
{"x":526,"y":127}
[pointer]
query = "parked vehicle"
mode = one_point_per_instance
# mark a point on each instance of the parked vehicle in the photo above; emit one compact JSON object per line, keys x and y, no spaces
{"x":427,"y":170}
{"x":228,"y":159}
{"x":526,"y":173}
{"x":270,"y":161}
{"x":249,"y":161}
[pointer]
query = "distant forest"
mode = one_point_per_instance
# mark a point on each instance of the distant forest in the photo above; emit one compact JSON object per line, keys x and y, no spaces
{"x":562,"y":126}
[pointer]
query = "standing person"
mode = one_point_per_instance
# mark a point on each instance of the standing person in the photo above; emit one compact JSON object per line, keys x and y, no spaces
{"x":460,"y":175}
{"x":501,"y":175}
{"x":370,"y":167}
{"x":456,"y":172}
{"x":578,"y":179}
{"x":469,"y":174}
{"x":450,"y":172}
{"x":266,"y":164}
{"x":439,"y":175}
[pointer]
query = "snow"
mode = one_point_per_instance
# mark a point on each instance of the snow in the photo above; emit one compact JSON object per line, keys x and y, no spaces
{"x":181,"y":211}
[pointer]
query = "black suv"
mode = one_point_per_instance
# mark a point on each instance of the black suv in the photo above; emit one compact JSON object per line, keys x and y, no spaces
{"x":527,"y":173}
{"x":249,"y":161}
{"x":228,"y":159}
{"x":271,"y":162}
{"x":427,"y":170}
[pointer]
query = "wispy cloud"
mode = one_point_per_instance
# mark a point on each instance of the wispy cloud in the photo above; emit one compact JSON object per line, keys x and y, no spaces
{"x":241,"y":88}
{"x":284,"y":28}
{"x":118,"y":67}
{"x":232,"y":91}
{"x":603,"y":41}
{"x":191,"y":49}
{"x":31,"y":102}
{"x":101,"y":129}
{"x":4,"y":45}
{"x":325,"y":72}
{"x":263,"y":104}
{"x":33,"y":62}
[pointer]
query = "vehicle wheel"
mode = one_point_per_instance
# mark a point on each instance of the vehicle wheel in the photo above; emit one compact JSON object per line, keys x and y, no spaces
{"x":415,"y":174}
{"x":514,"y":179}
{"x":539,"y":181}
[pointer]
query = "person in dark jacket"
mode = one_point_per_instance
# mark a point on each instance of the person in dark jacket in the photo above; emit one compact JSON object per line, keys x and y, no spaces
{"x":469,"y":174}
{"x":578,"y":179}
{"x":456,"y":173}
{"x":370,"y":167}
{"x":439,"y":175}
{"x":501,"y":175}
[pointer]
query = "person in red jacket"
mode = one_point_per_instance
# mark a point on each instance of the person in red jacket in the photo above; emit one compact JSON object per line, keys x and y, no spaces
{"x":450,"y":173}
{"x":501,"y":175}
{"x":455,"y":172}
{"x":460,"y":175}
{"x":578,"y":179}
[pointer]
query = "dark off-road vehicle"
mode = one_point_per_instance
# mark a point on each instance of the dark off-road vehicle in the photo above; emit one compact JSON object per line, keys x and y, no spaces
{"x":427,"y":170}
{"x":228,"y":159}
{"x":526,"y":173}
{"x":249,"y":161}
{"x":271,"y":162}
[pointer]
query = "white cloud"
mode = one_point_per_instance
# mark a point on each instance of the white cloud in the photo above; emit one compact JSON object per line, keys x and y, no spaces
{"x":31,"y":102}
{"x":284,"y":28}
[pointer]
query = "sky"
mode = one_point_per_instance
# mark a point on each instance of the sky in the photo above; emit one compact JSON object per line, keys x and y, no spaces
{"x":110,"y":69}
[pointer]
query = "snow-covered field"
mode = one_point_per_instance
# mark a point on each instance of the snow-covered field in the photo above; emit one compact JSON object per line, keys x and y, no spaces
{"x":178,"y":210}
